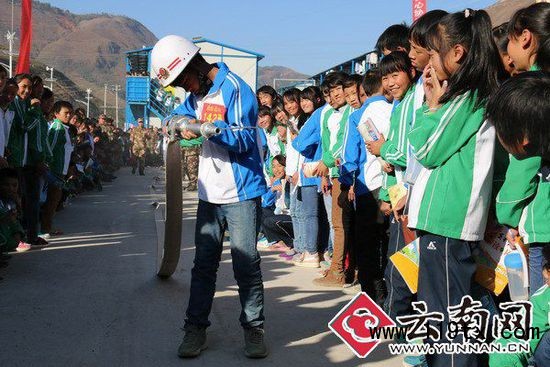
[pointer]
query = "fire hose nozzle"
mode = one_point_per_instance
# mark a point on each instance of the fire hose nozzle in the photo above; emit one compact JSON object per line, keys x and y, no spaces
{"x":179,"y":123}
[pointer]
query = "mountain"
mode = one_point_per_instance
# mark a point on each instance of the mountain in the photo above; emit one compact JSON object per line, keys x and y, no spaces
{"x":266,"y":74}
{"x":89,"y":49}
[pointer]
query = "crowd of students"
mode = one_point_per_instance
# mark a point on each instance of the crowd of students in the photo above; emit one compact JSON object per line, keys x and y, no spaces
{"x":49,"y":152}
{"x":447,"y":136}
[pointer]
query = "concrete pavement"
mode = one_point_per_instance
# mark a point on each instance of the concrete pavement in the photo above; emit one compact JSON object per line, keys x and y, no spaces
{"x":92,"y":297}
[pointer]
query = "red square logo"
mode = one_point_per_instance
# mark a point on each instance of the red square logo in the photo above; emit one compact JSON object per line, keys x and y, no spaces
{"x":355,"y":322}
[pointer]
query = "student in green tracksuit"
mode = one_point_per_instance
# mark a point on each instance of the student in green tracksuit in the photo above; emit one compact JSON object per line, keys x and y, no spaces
{"x":23,"y":156}
{"x":519,"y":110}
{"x":455,"y":145}
{"x":333,"y":123}
{"x":61,"y":147}
{"x":399,"y":76}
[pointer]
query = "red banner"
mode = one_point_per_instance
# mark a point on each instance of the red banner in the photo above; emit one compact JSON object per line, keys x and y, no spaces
{"x":419,"y":8}
{"x":24,"y":62}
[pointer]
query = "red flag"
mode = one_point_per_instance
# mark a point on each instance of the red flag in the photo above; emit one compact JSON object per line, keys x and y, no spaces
{"x":24,"y":62}
{"x":419,"y":8}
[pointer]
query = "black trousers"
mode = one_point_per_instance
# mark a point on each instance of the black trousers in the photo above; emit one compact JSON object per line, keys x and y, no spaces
{"x":366,"y":245}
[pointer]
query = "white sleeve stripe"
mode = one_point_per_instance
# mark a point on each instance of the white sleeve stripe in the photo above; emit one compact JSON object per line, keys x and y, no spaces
{"x":446,"y":119}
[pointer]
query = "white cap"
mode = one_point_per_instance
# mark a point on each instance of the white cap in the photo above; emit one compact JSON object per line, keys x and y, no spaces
{"x":170,"y":57}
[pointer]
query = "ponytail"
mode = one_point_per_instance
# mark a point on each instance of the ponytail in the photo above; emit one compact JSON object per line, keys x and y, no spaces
{"x":543,"y":56}
{"x":481,"y":67}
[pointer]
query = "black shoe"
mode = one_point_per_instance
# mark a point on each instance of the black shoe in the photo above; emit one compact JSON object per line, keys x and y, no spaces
{"x":194,"y":342}
{"x":254,"y":346}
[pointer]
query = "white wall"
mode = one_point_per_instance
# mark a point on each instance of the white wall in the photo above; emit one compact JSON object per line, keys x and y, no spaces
{"x":241,"y":63}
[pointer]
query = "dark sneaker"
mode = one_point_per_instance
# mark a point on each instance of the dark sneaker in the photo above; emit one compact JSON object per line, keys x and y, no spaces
{"x":254,"y":346}
{"x":194,"y":342}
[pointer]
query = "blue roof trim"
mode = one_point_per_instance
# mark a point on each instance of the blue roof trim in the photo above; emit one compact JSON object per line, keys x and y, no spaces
{"x":342,"y":63}
{"x":202,"y":39}
{"x":139,"y":50}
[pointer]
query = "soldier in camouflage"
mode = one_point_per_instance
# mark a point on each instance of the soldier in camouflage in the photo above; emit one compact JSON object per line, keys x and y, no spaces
{"x":190,"y":151}
{"x":138,"y":139}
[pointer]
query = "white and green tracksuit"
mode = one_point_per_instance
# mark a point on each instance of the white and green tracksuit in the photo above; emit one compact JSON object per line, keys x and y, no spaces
{"x":524,"y":200}
{"x":452,"y":194}
{"x":333,"y":126}
{"x":61,"y":147}
{"x":394,"y":150}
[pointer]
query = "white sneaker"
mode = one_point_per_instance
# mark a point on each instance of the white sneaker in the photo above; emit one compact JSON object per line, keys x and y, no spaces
{"x":45,"y":236}
{"x":23,"y":246}
{"x":307,"y":260}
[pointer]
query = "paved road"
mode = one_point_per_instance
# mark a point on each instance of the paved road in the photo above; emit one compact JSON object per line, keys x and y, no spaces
{"x":92,"y":299}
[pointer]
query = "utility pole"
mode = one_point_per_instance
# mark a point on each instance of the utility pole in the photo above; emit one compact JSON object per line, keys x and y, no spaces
{"x":88,"y":92}
{"x":105,"y":100}
{"x":11,"y":37}
{"x":51,"y":80}
{"x":117,"y":88}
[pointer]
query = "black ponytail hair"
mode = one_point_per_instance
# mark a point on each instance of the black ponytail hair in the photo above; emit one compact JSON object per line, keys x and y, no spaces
{"x":535,"y":18}
{"x":481,"y":67}
{"x":543,"y":56}
{"x":23,"y":76}
{"x":421,"y":26}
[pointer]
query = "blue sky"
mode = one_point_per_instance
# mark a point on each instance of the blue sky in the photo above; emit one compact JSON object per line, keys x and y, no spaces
{"x":306,"y":35}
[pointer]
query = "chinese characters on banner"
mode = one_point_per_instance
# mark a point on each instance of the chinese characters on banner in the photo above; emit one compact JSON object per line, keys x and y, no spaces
{"x":419,"y":8}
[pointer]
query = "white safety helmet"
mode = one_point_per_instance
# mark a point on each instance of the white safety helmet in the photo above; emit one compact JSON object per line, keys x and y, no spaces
{"x":170,"y":57}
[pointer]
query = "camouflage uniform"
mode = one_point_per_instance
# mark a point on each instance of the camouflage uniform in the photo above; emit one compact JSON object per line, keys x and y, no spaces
{"x":152,"y":141}
{"x":109,"y":147}
{"x":190,"y":151}
{"x":138,"y":138}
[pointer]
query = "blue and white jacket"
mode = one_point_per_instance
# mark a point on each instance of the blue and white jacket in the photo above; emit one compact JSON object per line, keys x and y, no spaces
{"x":358,"y":166}
{"x":230,"y":166}
{"x":308,"y":144}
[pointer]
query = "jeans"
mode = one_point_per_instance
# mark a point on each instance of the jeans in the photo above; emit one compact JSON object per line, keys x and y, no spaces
{"x":242,"y":219}
{"x":278,"y":227}
{"x":536,"y":262}
{"x":307,"y":216}
{"x":294,"y":216}
{"x":542,"y":353}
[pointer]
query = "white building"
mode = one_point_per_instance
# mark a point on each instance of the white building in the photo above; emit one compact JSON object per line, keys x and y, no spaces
{"x":242,"y":62}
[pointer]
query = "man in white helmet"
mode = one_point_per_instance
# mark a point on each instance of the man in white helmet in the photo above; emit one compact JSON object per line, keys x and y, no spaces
{"x":230,"y":186}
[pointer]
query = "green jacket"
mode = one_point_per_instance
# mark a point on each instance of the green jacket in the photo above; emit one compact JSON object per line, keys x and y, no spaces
{"x":17,"y":141}
{"x":332,"y":143}
{"x":452,"y":195}
{"x":394,"y":150}
{"x":61,"y":146}
{"x":541,"y":312}
{"x":524,"y":200}
{"x":37,"y":135}
{"x":197,"y":142}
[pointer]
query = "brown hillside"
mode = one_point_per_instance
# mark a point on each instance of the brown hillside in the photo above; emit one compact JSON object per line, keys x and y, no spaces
{"x":89,"y":49}
{"x":503,"y":10}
